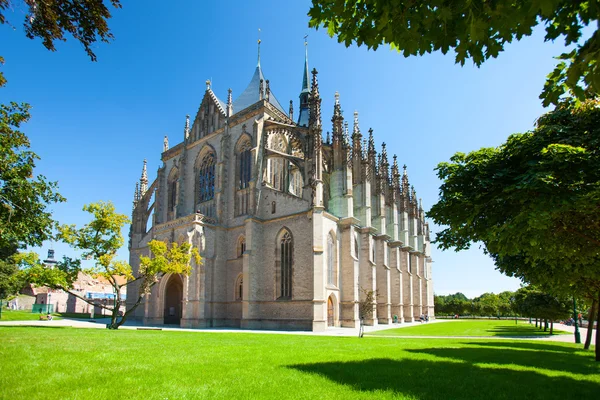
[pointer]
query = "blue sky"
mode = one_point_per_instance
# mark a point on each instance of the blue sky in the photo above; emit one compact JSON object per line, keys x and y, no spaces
{"x":94,"y":123}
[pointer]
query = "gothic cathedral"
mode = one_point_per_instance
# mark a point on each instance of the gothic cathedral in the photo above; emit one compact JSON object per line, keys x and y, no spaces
{"x":294,"y":230}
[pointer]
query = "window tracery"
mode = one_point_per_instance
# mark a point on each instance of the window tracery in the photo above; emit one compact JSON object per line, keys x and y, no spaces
{"x":206,"y":178}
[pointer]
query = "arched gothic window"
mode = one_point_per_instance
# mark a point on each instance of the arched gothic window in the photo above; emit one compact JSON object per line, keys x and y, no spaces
{"x":241,"y":248}
{"x":244,"y":166}
{"x":330,"y":260}
{"x":239,"y":288}
{"x":172,"y":192}
{"x":286,"y":248}
{"x":277,"y":173}
{"x":296,"y":182}
{"x":206,"y":178}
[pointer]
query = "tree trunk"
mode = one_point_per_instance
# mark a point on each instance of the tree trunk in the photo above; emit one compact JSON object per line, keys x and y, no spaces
{"x":536,"y":322}
{"x":591,"y":318}
{"x":545,"y":325}
{"x":597,"y":331}
{"x":551,"y":327}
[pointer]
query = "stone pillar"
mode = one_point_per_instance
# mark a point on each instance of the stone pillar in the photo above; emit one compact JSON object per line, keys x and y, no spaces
{"x":367,"y":271}
{"x":252,"y":267}
{"x":396,"y":285}
{"x":348,"y":279}
{"x":407,"y":286}
{"x":319,"y":271}
{"x":384,"y":288}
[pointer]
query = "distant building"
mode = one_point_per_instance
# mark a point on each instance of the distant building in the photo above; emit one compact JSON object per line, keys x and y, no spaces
{"x":292,"y":226}
{"x":86,"y":286}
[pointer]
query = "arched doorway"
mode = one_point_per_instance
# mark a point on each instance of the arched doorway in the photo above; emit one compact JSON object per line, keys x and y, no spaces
{"x":330,"y":314}
{"x":173,"y":300}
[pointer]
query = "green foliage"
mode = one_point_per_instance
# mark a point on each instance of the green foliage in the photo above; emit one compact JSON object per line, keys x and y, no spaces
{"x":100,"y":240}
{"x":534,"y":199}
{"x":534,"y":303}
{"x":49,"y":20}
{"x":476,"y":30}
{"x":24,"y":216}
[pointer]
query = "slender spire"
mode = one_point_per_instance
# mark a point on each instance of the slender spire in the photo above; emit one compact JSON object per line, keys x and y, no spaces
{"x":229,"y":103}
{"x":144,"y":180}
{"x":258,"y":62}
{"x":385,"y":164}
{"x":337,"y":120}
{"x":186,"y":128}
{"x":303,"y":116}
{"x":327,"y":138}
{"x":305,"y":76}
{"x":315,"y":101}
{"x":395,"y":173}
{"x":346,"y":140}
{"x":291,"y":111}
{"x":136,"y":194}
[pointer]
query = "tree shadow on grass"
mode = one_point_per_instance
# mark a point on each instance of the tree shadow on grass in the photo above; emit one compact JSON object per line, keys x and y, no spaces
{"x":428,"y":379}
{"x":527,"y":358}
{"x":544,"y":346}
{"x":517,"y":330}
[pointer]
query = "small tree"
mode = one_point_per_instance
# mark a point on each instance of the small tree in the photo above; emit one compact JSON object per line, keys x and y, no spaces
{"x":365,"y":307}
{"x":100,"y":240}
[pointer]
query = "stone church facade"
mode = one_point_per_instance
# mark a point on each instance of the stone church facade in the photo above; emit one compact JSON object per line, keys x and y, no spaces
{"x":293,"y":228}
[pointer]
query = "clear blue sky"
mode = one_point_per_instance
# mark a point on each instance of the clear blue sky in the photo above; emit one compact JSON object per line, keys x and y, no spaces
{"x":94,"y":123}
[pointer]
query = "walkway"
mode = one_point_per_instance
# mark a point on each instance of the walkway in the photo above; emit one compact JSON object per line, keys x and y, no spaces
{"x":348,"y":332}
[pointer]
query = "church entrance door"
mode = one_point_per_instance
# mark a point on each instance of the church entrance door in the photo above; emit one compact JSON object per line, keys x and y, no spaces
{"x":330,"y":319}
{"x":173,"y":300}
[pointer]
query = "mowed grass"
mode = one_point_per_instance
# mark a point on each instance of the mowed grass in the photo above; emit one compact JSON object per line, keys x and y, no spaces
{"x":68,"y":363}
{"x":505,"y":328}
{"x":16,"y":315}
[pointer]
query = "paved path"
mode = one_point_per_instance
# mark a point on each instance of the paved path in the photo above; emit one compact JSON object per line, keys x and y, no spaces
{"x":101,"y":324}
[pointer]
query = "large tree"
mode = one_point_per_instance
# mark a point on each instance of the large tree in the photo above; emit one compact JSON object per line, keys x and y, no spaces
{"x":25,"y":218}
{"x":25,"y":200}
{"x":533,"y":202}
{"x":100,"y":240}
{"x":472,"y":29}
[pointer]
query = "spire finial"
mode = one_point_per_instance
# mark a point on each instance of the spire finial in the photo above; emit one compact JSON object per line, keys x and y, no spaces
{"x":229,"y":103}
{"x":291,"y":111}
{"x":186,"y":129}
{"x":258,"y":62}
{"x":356,"y":130}
{"x":144,"y":180}
{"x":207,"y":84}
{"x":165,"y":143}
{"x":371,"y":142}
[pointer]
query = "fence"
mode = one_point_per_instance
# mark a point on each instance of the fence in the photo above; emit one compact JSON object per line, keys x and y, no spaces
{"x":42,"y":308}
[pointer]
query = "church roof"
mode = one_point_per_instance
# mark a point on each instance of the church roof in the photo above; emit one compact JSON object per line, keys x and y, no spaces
{"x":252,"y":93}
{"x":222,"y":106}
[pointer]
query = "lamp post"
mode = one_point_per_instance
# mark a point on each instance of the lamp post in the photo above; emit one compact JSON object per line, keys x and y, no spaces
{"x":577,"y":334}
{"x":49,"y":302}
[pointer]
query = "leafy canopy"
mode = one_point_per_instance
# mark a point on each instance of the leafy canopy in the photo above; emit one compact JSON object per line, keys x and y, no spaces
{"x":99,"y":240}
{"x":476,"y":30}
{"x":25,"y":217}
{"x":537,"y":196}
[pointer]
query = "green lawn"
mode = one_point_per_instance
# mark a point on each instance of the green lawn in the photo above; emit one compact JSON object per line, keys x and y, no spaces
{"x":67,"y":363}
{"x":11,"y":315}
{"x":469,"y":328}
